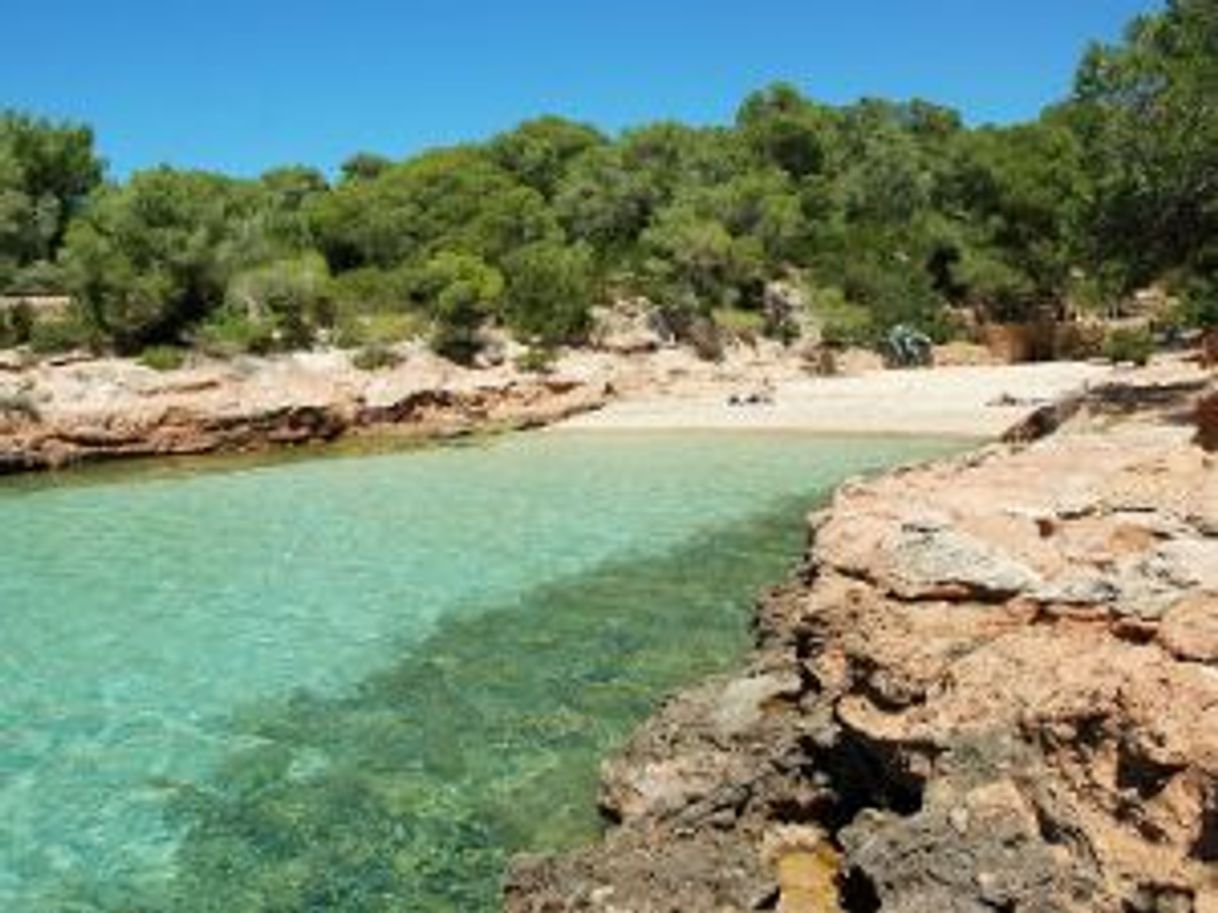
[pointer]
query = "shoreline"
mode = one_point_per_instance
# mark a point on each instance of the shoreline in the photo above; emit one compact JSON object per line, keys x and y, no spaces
{"x":968,"y":402}
{"x":991,"y":684}
{"x":58,"y":415}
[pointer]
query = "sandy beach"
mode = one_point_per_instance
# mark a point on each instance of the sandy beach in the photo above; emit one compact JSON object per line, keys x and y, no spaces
{"x":973,"y":401}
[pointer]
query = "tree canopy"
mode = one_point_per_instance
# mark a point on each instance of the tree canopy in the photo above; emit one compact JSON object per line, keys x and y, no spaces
{"x":888,"y":212}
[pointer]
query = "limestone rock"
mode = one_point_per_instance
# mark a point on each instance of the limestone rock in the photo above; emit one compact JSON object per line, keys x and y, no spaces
{"x":630,"y":326}
{"x":992,"y":685}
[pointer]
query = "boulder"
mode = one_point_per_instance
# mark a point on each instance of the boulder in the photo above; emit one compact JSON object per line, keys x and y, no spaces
{"x":629,"y":326}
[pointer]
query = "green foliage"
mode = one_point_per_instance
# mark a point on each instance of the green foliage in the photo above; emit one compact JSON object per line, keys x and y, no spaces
{"x":538,"y":152}
{"x":550,"y":289}
{"x":375,"y":357}
{"x":1129,"y":344}
{"x":895,"y":290}
{"x":787,"y":129}
{"x":1200,"y":305}
{"x":148,"y":259}
{"x":1145,"y":112}
{"x":537,"y":360}
{"x":290,"y":298}
{"x":746,"y":326}
{"x":897,"y":204}
{"x":163,"y":358}
{"x":364,"y":166}
{"x":52,"y":337}
{"x":450,"y":200}
{"x":16,"y":325}
{"x":842,"y":324}
{"x":227,"y":334}
{"x":462,"y":291}
{"x":46,"y":171}
{"x":372,"y":328}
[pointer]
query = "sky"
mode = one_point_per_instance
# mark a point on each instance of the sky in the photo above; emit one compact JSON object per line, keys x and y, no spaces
{"x":244,"y":85}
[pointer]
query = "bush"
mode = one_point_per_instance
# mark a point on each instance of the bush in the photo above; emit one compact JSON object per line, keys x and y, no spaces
{"x":1129,"y":344}
{"x":376,"y":357}
{"x":16,"y":324}
{"x":163,"y":358}
{"x":537,"y":360}
{"x":371,"y":289}
{"x":462,"y":291}
{"x":739,"y":324}
{"x":228,"y":334}
{"x":384,"y":328}
{"x":51,"y":337}
{"x":291,"y":296}
{"x":549,"y":291}
{"x":842,"y":324}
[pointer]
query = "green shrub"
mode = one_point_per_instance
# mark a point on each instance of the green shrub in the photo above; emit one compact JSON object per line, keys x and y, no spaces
{"x":462,"y":291}
{"x":537,"y":360}
{"x":163,"y":358}
{"x":549,"y":291}
{"x":291,"y":296}
{"x":1199,"y":307}
{"x":16,"y":324}
{"x":229,"y":333}
{"x":456,"y":343}
{"x":738,"y":323}
{"x":355,"y":329}
{"x":51,"y":337}
{"x":1129,"y":344}
{"x":842,"y":324}
{"x":376,"y":357}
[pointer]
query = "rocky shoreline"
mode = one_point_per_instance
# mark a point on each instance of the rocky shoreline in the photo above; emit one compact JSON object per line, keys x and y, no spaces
{"x":64,"y":415}
{"x":991,"y":686}
{"x":77,"y":409}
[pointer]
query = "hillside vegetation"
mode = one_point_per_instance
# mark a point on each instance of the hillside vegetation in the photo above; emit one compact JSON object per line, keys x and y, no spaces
{"x":885,"y":213}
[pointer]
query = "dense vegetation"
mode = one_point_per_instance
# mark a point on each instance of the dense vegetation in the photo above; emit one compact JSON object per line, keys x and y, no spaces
{"x":887,"y":213}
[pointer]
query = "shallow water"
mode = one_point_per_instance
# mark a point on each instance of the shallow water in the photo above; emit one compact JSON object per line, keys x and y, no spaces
{"x":359,"y":684}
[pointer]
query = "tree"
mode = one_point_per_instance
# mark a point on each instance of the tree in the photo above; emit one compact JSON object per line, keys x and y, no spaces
{"x":1020,"y":192}
{"x":289,"y":299}
{"x":787,"y":129}
{"x":446,"y":200}
{"x":364,"y":166}
{"x":549,"y":291}
{"x":462,"y":291}
{"x":46,"y":171}
{"x":1146,"y":113}
{"x":146,"y":260}
{"x":539,"y":152}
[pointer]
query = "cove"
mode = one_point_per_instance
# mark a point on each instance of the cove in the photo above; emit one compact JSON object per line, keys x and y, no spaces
{"x":360,"y":684}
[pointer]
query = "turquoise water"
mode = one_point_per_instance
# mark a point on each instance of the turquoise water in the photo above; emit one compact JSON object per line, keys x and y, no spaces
{"x":359,"y":684}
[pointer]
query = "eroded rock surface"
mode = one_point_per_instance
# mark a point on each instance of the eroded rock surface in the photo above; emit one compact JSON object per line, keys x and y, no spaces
{"x":992,"y":686}
{"x":56,"y":415}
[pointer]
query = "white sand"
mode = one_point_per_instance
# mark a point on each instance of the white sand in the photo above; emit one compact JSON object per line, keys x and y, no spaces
{"x":957,"y":401}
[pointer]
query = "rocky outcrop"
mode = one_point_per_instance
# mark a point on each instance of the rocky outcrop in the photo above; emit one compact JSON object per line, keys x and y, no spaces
{"x":110,"y":410}
{"x":993,"y":685}
{"x":630,"y":326}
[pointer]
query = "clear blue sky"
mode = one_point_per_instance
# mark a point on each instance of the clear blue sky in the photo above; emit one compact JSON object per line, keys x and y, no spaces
{"x":242,"y":86}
